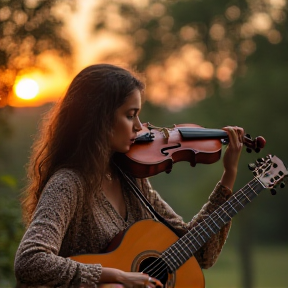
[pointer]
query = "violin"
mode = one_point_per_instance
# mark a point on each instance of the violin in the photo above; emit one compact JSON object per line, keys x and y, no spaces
{"x":156,"y":149}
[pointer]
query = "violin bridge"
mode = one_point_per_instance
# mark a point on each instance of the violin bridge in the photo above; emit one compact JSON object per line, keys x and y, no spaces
{"x":166,"y":133}
{"x":164,"y":130}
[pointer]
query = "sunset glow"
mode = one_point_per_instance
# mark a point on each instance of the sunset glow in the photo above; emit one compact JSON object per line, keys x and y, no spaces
{"x":100,"y":32}
{"x":26,"y":89}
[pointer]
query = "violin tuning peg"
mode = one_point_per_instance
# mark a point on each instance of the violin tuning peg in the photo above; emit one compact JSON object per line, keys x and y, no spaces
{"x":282,"y":184}
{"x":248,"y":136}
{"x":248,"y":150}
{"x":273,"y":191}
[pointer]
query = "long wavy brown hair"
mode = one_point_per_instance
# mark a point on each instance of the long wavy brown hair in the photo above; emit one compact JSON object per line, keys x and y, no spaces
{"x":75,"y":133}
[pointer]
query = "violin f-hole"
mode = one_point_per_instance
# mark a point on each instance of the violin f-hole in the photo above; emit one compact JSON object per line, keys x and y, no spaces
{"x":163,"y":150}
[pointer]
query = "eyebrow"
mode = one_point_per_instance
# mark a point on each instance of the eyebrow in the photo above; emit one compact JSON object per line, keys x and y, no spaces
{"x":133,"y":109}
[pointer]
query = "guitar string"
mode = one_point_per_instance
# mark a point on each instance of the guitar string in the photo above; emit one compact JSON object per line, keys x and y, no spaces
{"x":159,"y":261}
{"x":195,"y":229}
{"x":235,"y":199}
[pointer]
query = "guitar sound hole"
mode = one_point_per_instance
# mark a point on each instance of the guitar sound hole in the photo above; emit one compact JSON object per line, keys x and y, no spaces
{"x":156,"y":268}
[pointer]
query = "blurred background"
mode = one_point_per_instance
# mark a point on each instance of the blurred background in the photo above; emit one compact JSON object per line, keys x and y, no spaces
{"x":212,"y":63}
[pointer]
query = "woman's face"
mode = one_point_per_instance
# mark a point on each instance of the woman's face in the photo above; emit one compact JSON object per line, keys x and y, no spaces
{"x":126,"y":123}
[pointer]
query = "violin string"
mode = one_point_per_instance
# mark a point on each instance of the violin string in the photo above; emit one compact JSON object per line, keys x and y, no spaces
{"x":163,"y":265}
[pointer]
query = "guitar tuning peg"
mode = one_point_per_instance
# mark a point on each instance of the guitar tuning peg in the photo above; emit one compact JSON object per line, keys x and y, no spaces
{"x":268,"y":157}
{"x":282,"y":184}
{"x":273,"y":191}
{"x":252,"y":166}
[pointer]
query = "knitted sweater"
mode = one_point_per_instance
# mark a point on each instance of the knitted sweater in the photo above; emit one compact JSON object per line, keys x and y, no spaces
{"x":63,"y":226}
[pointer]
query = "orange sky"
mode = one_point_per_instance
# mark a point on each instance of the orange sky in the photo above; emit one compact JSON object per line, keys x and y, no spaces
{"x":168,"y":82}
{"x":87,"y":48}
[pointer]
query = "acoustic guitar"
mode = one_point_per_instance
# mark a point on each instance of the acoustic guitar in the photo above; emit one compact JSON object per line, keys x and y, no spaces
{"x":150,"y":247}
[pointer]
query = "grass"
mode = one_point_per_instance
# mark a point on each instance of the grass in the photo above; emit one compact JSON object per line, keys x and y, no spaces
{"x":269,"y":264}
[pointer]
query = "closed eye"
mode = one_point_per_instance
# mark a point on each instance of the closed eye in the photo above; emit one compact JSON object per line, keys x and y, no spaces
{"x":132,"y":113}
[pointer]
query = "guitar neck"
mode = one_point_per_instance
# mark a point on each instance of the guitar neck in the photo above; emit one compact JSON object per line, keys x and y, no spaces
{"x":178,"y":253}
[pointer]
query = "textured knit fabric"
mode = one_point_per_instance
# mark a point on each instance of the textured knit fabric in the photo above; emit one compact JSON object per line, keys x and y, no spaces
{"x":63,"y":226}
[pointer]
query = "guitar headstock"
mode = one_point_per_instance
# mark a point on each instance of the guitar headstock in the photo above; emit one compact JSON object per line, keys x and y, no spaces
{"x":270,"y":172}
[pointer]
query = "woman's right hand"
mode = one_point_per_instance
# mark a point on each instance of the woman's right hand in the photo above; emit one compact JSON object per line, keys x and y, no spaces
{"x":128,"y":279}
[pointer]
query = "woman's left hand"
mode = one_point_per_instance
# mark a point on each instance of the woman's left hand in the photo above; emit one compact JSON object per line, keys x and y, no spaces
{"x":232,"y":155}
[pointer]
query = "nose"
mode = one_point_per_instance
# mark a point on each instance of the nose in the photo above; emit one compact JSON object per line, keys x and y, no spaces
{"x":137,"y":124}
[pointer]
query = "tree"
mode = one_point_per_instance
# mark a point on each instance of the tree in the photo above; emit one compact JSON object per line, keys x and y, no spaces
{"x":27,"y":29}
{"x":189,"y":48}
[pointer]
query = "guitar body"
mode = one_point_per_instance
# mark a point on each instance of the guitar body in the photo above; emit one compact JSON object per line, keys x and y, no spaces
{"x":142,"y":244}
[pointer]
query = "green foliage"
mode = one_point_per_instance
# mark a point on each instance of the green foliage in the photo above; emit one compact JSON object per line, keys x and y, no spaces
{"x":8,"y":181}
{"x":11,"y":228}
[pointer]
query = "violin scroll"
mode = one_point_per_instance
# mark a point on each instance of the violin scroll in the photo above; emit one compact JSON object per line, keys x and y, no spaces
{"x":256,"y":145}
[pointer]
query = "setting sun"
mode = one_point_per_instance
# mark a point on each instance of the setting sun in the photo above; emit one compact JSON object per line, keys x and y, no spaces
{"x":26,"y":89}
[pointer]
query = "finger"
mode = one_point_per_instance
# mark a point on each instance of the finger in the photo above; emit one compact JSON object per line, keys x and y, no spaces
{"x":232,"y":135}
{"x":235,"y":134}
{"x":152,"y":282}
{"x":149,"y":281}
{"x":240,"y":133}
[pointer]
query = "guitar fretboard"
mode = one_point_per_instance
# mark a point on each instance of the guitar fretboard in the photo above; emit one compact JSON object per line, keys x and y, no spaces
{"x":178,"y":253}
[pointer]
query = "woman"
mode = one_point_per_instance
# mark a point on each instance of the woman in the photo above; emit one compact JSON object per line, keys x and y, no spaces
{"x":77,"y":201}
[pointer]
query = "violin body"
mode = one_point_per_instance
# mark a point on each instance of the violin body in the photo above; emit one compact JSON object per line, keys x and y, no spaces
{"x":156,"y":149}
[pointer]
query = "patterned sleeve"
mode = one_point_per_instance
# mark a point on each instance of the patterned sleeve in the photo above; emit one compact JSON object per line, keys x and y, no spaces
{"x":209,"y":252}
{"x":37,"y":262}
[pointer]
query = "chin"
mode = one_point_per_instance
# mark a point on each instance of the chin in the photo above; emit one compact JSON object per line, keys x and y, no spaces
{"x":124,"y":150}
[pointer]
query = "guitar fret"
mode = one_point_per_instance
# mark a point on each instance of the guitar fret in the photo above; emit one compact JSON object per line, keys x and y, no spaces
{"x":253,"y":190}
{"x":225,"y":212}
{"x":209,"y":226}
{"x":215,"y":222}
{"x":186,"y":244}
{"x":232,"y":207}
{"x":199,"y":233}
{"x":239,"y":201}
{"x":190,"y":241}
{"x":167,"y":260}
{"x":246,"y":196}
{"x":176,"y":255}
{"x":219,"y":216}
{"x":177,"y":249}
{"x":171,"y":259}
{"x":196,"y":239}
{"x":204,"y":229}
